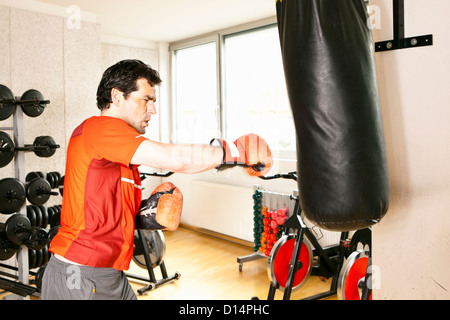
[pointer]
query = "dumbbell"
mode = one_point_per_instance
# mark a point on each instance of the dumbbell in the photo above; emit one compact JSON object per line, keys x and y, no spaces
{"x":38,"y":216}
{"x":18,"y":231}
{"x":32,"y":103}
{"x":54,"y":177}
{"x":38,"y":191}
{"x":54,"y":216}
{"x":38,"y":258}
{"x":13,"y":193}
{"x":43,"y":146}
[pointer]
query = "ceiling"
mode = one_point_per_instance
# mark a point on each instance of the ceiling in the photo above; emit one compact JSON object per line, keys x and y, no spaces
{"x":169,"y":20}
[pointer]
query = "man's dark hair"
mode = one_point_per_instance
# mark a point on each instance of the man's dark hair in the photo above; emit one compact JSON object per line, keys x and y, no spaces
{"x":123,"y":76}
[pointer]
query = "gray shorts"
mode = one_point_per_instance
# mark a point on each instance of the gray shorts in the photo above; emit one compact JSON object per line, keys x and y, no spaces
{"x":65,"y":281}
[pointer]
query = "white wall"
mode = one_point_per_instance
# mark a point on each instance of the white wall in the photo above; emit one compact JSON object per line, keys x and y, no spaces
{"x":411,"y":244}
{"x":42,"y":54}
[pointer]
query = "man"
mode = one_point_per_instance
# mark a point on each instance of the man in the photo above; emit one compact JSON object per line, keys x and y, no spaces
{"x":102,"y":187}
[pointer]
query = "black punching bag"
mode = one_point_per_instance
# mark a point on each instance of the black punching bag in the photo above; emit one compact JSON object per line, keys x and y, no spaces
{"x":329,"y":65}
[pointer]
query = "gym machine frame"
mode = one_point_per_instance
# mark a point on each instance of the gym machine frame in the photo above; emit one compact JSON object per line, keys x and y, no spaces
{"x":20,"y":174}
{"x":332,"y":265}
{"x":153,"y":282}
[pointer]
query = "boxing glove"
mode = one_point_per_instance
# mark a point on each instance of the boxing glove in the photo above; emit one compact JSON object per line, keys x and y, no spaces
{"x":162,"y":210}
{"x":249,"y":151}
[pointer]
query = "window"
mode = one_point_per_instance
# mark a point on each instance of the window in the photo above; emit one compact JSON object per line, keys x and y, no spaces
{"x":196,"y":100}
{"x":255,"y":98}
{"x":247,"y":95}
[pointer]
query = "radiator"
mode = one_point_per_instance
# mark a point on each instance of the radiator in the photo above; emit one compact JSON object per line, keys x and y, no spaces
{"x":229,"y":210}
{"x":223,"y":209}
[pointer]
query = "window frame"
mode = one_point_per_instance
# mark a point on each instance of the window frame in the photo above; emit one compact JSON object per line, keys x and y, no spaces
{"x":219,"y":38}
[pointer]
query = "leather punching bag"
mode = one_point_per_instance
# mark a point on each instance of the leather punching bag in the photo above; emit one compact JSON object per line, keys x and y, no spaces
{"x":329,"y":66}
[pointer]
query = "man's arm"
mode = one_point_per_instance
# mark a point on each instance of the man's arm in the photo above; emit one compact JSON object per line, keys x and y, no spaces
{"x":183,"y":158}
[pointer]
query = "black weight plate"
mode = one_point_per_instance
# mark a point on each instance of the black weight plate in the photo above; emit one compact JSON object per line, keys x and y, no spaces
{"x":156,"y":247}
{"x":31,"y":258}
{"x":55,"y":221}
{"x":7,"y":149}
{"x":38,"y":239}
{"x":32,"y":175}
{"x":12,"y":234}
{"x":45,"y":256}
{"x":61,"y":181}
{"x":45,"y":141}
{"x":12,"y":195}
{"x":44,"y":221}
{"x":6,"y":108}
{"x":52,"y":232}
{"x":55,"y":180}
{"x":38,"y":213}
{"x":6,"y":252}
{"x":36,"y":191}
{"x":50,"y":214}
{"x":39,"y":258}
{"x":58,"y":178}
{"x":61,"y":186}
{"x":51,"y":179}
{"x":38,"y":277}
{"x":35,"y":108}
{"x":31,"y":215}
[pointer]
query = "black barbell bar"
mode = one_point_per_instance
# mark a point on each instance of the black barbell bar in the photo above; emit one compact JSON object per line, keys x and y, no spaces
{"x":43,"y":146}
{"x":13,"y":193}
{"x":18,"y":231}
{"x":32,"y":103}
{"x":39,"y":191}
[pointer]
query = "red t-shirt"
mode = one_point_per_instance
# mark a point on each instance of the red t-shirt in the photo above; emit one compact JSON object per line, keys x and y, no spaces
{"x":102,"y":194}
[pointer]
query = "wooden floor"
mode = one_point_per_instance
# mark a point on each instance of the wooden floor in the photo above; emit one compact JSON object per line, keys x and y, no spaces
{"x":210,"y":271}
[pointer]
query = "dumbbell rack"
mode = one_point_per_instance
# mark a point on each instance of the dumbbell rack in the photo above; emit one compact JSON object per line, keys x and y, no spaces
{"x":20,"y":174}
{"x":271,"y":201}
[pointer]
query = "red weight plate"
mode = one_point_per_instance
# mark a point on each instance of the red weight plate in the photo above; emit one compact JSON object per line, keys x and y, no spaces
{"x":351,"y":273}
{"x":280,"y":259}
{"x":357,"y":272}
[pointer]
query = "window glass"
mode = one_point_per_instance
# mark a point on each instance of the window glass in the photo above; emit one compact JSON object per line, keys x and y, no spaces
{"x":195,"y":94}
{"x":255,"y":98}
{"x":252,"y":90}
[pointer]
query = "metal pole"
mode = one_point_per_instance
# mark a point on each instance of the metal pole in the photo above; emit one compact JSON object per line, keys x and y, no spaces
{"x":20,"y":173}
